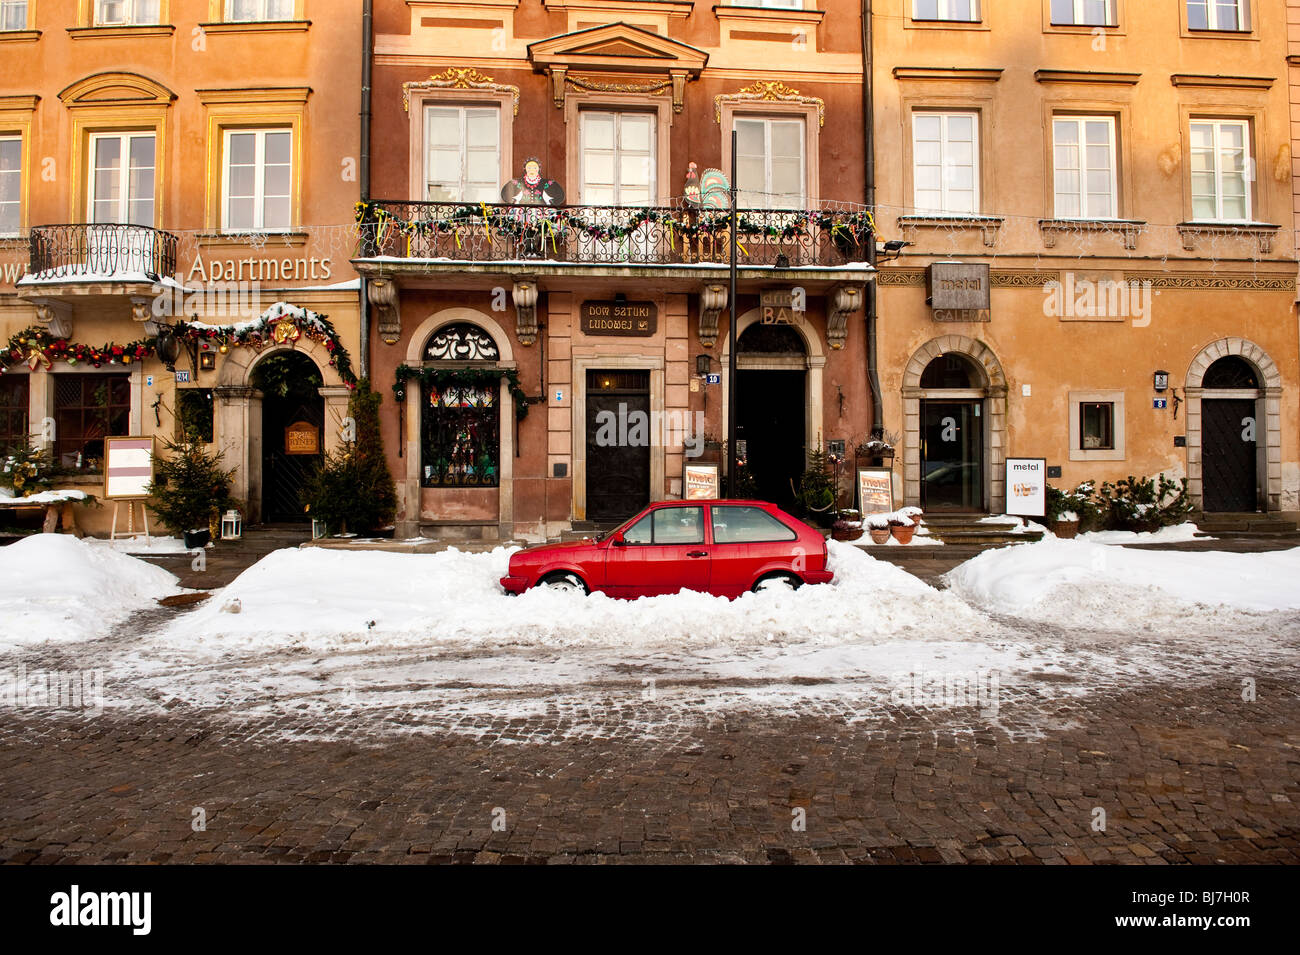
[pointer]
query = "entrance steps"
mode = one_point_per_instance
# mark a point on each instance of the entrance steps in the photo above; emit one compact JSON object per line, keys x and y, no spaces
{"x":1244,"y":525}
{"x":974,"y":530}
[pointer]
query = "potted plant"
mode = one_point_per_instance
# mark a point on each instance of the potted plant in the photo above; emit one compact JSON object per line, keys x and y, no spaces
{"x":816,"y":492}
{"x":878,"y":528}
{"x":189,"y":486}
{"x":1067,"y":509}
{"x":902,"y":527}
{"x":847,"y":526}
{"x":353,"y":491}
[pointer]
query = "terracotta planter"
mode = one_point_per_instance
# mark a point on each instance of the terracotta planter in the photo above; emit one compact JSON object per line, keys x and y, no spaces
{"x":849,"y":535}
{"x":1066,"y":530}
{"x":902,"y":534}
{"x":880,"y":535}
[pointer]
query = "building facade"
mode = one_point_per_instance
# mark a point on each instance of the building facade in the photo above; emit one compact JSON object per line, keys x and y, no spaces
{"x":546,"y":255}
{"x":186,"y":167}
{"x":1098,"y":198}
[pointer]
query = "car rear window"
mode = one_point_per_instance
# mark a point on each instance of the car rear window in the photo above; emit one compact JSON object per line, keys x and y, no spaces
{"x":747,"y":525}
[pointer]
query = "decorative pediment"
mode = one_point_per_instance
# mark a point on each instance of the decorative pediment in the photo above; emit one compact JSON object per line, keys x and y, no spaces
{"x":457,"y":78}
{"x":116,"y":89}
{"x":618,"y":48}
{"x":769,"y":91}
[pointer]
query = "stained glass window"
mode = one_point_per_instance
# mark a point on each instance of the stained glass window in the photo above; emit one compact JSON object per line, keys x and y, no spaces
{"x":460,"y":420}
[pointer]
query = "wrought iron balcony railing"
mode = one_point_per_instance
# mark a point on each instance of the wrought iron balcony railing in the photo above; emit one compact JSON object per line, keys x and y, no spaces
{"x":614,"y":235}
{"x":102,"y":250}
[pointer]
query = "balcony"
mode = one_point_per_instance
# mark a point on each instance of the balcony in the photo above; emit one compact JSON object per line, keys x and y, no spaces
{"x":100,"y":251}
{"x":409,"y":238}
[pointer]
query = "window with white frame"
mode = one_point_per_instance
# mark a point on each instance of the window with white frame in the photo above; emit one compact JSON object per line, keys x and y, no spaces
{"x":1085,"y":167}
{"x":118,"y":13}
{"x":462,"y":154}
{"x":258,"y":11}
{"x":618,"y":158}
{"x":1218,"y":15}
{"x":11,"y":184}
{"x":257,"y":180}
{"x":13,"y":14}
{"x":1221,"y":170}
{"x":945,"y":163}
{"x":962,"y":11}
{"x":1090,"y":13}
{"x":122,"y":167}
{"x":770,"y":162}
{"x":774,"y":4}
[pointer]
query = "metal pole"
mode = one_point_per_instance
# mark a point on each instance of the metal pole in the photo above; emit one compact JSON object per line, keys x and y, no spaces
{"x":735,"y":327}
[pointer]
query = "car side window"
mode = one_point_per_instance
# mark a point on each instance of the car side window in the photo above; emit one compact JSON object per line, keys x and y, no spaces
{"x":640,"y":532}
{"x":679,"y":525}
{"x":748,"y":525}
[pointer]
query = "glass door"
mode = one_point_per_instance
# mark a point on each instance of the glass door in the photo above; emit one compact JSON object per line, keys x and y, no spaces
{"x":952,"y":455}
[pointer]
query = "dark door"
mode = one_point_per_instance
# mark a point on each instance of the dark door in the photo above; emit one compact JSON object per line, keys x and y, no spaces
{"x":952,"y":455}
{"x":770,"y":421}
{"x":1228,"y":454}
{"x":293,"y":413}
{"x":618,"y":444}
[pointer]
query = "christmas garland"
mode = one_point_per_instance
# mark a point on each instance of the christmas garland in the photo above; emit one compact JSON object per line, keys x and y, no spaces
{"x":550,"y":222}
{"x":37,"y":347}
{"x":280,"y":323}
{"x":462,"y":378}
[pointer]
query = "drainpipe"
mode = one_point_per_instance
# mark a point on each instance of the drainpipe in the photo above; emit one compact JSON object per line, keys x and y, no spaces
{"x":367,"y":51}
{"x":869,"y":146}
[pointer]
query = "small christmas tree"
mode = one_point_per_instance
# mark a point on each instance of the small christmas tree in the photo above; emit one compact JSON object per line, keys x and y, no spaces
{"x":354,"y":489}
{"x":25,"y":471}
{"x":189,"y":486}
{"x":816,"y":493}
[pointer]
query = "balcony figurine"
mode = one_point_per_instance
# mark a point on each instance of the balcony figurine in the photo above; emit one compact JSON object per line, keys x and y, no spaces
{"x":531,"y":189}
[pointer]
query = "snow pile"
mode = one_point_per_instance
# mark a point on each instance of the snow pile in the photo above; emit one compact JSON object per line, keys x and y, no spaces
{"x":327,"y":599}
{"x":1166,"y":535}
{"x":1080,"y":583}
{"x":54,"y":587}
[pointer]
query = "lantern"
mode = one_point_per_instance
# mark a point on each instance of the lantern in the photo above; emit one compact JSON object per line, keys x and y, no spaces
{"x":232,"y":525}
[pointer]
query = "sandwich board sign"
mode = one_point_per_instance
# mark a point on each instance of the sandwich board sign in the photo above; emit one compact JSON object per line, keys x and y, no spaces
{"x":1027,"y":487}
{"x":128,"y":467}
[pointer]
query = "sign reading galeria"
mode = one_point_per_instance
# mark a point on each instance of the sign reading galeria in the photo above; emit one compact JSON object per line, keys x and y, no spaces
{"x":1027,"y":487}
{"x":637,"y":319}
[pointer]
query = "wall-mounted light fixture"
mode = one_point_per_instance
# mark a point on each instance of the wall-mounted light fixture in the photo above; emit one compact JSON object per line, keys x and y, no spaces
{"x":702,"y":365}
{"x":1160,"y":380}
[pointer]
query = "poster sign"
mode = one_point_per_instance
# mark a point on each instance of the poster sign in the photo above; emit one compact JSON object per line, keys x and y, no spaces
{"x":638,"y":319}
{"x":302,"y":437}
{"x":700,"y":482}
{"x":875,"y":491}
{"x":1027,"y":487}
{"x":128,"y":467}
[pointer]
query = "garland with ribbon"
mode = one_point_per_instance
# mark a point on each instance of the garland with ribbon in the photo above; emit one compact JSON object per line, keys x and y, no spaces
{"x":463,"y":378}
{"x":281,"y":323}
{"x":523,"y":221}
{"x":38,"y":348}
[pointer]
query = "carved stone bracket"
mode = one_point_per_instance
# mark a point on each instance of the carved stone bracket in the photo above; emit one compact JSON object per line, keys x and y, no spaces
{"x":383,"y":295}
{"x":1262,"y":233}
{"x":525,"y":296}
{"x":841,"y":302}
{"x":1127,"y":229}
{"x":55,"y":316}
{"x":713,"y":299}
{"x":987,"y":225}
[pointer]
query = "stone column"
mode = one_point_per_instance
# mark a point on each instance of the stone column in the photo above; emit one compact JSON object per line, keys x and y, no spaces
{"x":238,"y":436}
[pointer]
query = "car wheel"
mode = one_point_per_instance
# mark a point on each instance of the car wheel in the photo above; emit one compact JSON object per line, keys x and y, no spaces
{"x":565,"y":583}
{"x":778,"y":582}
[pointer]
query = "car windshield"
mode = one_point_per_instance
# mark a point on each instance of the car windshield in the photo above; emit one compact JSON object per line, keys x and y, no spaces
{"x":621,"y":527}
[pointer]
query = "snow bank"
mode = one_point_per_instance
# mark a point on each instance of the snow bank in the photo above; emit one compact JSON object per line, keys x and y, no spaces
{"x":1166,"y":535}
{"x":54,"y":587}
{"x":327,"y":599}
{"x":1080,"y":583}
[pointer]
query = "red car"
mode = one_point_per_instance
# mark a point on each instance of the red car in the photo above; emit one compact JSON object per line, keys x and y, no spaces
{"x":723,"y":548}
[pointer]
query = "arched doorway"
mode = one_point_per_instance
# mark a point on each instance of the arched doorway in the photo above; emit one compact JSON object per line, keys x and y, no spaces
{"x":293,"y":424}
{"x":771,"y":385}
{"x":954,"y":439}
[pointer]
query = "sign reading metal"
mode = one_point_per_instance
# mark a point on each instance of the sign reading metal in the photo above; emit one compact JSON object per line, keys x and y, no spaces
{"x":1027,"y":487}
{"x":962,"y":286}
{"x":636,"y":319}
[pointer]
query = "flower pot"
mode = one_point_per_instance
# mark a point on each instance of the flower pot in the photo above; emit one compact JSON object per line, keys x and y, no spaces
{"x":902,"y":534}
{"x":197,"y":538}
{"x":880,"y":535}
{"x":851,"y":534}
{"x":1066,"y":530}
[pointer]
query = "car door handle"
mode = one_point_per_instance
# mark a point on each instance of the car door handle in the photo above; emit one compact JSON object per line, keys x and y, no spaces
{"x":697,"y":553}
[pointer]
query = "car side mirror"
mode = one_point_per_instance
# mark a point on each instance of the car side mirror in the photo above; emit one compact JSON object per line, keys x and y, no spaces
{"x":617,"y":541}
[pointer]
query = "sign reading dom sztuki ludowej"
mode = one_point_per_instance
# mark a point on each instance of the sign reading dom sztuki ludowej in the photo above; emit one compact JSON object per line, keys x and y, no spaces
{"x":1027,"y":487}
{"x":638,"y":319}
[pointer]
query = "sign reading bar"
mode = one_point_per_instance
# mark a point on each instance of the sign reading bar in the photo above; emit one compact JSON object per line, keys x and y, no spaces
{"x":301,"y":437}
{"x":1027,"y":487}
{"x":637,"y":319}
{"x":959,"y":286}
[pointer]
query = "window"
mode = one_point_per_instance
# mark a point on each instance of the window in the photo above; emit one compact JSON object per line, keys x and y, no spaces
{"x":13,"y":14}
{"x":88,"y":409}
{"x":13,"y":412}
{"x":11,"y":183}
{"x":194,"y":414}
{"x":1218,"y":15}
{"x":122,"y":178}
{"x":769,"y":163}
{"x":1084,"y":155}
{"x":642,"y":532}
{"x":747,"y":525}
{"x":1097,"y":425}
{"x":256,"y":11}
{"x":618,"y":158}
{"x":257,"y":181}
{"x":679,"y":525}
{"x":460,"y":426}
{"x":118,"y":13}
{"x":462,"y":154}
{"x":945,"y":163}
{"x":1091,"y":13}
{"x":1220,"y":167}
{"x":966,"y":11}
{"x":775,"y":4}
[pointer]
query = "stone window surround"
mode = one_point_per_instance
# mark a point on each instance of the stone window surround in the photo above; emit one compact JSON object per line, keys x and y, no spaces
{"x":503,"y":100}
{"x":1077,"y":451}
